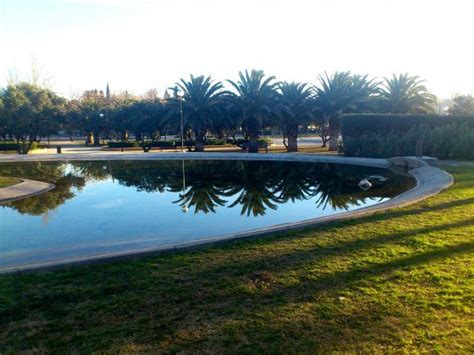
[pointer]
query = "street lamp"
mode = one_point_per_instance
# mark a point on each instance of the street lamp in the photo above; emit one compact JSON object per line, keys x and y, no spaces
{"x":176,"y":90}
{"x":101,"y":115}
{"x":182,"y":122}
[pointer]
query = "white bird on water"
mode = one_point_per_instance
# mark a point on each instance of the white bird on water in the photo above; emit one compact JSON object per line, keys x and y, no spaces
{"x":364,"y":184}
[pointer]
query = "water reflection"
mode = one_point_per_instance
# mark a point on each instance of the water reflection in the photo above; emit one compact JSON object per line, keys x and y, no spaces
{"x":56,"y":173}
{"x":206,"y":186}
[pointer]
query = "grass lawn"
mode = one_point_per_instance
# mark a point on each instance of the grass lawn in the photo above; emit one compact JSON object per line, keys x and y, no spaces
{"x":7,"y":181}
{"x":398,"y":281}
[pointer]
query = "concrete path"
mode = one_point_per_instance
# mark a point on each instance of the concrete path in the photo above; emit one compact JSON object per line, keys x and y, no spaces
{"x":24,"y":189}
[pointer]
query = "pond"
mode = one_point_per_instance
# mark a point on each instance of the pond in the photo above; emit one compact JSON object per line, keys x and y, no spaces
{"x":116,"y":206}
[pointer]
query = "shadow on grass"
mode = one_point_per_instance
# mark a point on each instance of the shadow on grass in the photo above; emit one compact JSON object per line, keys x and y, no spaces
{"x":259,"y":317}
{"x":184,"y":301}
{"x":292,"y":259}
{"x":428,"y":208}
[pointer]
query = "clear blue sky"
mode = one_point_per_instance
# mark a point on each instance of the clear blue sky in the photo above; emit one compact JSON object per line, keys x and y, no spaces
{"x":141,"y":44}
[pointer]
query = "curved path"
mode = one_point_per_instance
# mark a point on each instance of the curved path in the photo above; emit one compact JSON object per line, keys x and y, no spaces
{"x":24,"y":189}
{"x":430,"y":181}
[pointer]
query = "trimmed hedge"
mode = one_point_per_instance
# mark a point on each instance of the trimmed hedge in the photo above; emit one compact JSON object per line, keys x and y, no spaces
{"x":383,"y":136}
{"x":260,"y":141}
{"x":12,"y":146}
{"x":137,"y":144}
{"x":210,"y":141}
{"x":8,"y":146}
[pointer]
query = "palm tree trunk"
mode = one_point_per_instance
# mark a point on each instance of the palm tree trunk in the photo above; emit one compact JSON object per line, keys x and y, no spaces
{"x":292,"y":143}
{"x":333,"y":143}
{"x":199,"y":147}
{"x":90,"y":138}
{"x":96,"y":139}
{"x":253,"y":144}
{"x":333,"y":133}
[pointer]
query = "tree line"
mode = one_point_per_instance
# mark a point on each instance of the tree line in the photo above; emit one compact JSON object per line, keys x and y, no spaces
{"x":245,"y":107}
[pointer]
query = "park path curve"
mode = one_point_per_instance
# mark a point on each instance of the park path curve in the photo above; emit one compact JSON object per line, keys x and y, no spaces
{"x":24,"y":189}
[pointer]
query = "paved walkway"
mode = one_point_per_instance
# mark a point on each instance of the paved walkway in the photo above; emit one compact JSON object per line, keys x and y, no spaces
{"x":24,"y":189}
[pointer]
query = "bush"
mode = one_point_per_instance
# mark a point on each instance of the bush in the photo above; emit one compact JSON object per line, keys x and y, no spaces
{"x":383,"y":136}
{"x":135,"y":144}
{"x":34,"y":146}
{"x":162,"y":144}
{"x":7,"y":145}
{"x":13,"y":146}
{"x":216,"y":141}
{"x":363,"y":124}
{"x":261,"y":141}
{"x":122,"y":144}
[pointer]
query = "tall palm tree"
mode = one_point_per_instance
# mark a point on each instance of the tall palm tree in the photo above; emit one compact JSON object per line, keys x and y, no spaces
{"x":403,"y":94}
{"x":200,"y":104}
{"x":340,"y":93}
{"x":254,"y":98}
{"x":295,"y":108}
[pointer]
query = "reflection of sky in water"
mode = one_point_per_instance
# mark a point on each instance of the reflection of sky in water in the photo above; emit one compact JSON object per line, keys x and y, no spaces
{"x":105,"y":216}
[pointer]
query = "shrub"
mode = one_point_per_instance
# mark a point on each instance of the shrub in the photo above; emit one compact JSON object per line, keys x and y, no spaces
{"x":7,"y":145}
{"x":383,"y":136}
{"x":23,"y":149}
{"x":135,"y":144}
{"x":122,"y":144}
{"x":260,"y":141}
{"x":162,"y":144}
{"x":216,"y":141}
{"x":34,"y":146}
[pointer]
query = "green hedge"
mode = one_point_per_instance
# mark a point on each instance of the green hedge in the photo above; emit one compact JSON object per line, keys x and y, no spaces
{"x":210,"y":141}
{"x":122,"y":144}
{"x":260,"y":141}
{"x":138,"y":144}
{"x":383,"y":136}
{"x":8,"y":146}
{"x":12,"y":146}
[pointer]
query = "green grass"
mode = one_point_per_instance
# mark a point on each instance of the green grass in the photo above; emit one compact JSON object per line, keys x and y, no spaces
{"x":401,"y":281}
{"x":8,"y":181}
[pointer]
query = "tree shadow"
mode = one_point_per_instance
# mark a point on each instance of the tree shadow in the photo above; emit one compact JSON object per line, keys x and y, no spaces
{"x":426,"y":209}
{"x":310,"y":254}
{"x":207,"y":300}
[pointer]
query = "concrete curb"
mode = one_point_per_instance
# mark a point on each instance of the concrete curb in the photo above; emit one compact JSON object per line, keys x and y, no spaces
{"x":24,"y":189}
{"x":379,"y":163}
{"x":430,"y":182}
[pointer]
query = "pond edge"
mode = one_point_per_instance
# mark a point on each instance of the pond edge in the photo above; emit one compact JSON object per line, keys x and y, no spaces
{"x":430,"y":181}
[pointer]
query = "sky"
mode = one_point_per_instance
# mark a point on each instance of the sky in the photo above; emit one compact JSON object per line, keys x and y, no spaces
{"x":137,"y":45}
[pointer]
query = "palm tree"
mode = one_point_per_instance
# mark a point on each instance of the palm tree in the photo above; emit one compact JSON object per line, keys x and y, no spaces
{"x":404,"y":94}
{"x":295,"y":108}
{"x":254,"y":98}
{"x":201,"y":103}
{"x":342,"y":93}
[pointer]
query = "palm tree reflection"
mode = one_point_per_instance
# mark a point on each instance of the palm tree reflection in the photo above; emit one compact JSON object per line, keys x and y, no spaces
{"x":205,"y":186}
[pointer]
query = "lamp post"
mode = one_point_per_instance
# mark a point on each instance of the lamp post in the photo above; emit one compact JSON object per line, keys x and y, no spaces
{"x":182,"y":122}
{"x":176,"y":90}
{"x":101,"y":115}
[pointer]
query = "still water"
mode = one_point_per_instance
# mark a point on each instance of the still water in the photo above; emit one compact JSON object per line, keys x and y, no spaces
{"x":105,"y":207}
